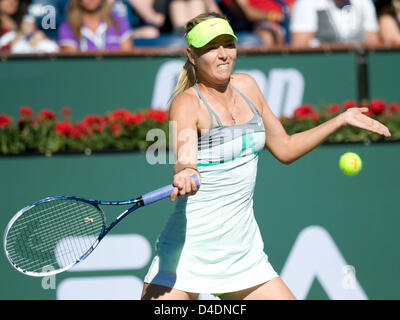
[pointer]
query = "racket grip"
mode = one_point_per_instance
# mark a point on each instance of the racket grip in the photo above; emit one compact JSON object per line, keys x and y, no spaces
{"x":163,"y":192}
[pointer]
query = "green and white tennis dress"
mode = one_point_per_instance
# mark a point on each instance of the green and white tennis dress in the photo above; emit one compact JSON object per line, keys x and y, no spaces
{"x":212,"y":242}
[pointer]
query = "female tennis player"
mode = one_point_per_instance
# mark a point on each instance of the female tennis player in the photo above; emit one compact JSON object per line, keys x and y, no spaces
{"x":212,"y":243}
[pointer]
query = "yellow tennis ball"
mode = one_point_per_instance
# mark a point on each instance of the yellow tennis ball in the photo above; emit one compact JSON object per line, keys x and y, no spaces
{"x":350,"y":163}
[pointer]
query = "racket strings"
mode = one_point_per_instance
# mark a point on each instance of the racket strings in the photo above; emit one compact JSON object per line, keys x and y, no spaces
{"x":49,"y":238}
{"x":53,"y":234}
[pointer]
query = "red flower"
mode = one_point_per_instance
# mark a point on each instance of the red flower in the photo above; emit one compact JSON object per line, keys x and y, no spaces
{"x":304,"y":111}
{"x":46,"y":114}
{"x":139,"y":118}
{"x":158,"y":115}
{"x":25,"y":111}
{"x":79,"y":130}
{"x":334,"y":108}
{"x":116,"y":129}
{"x":4,"y":120}
{"x":64,"y":128}
{"x":66,"y":111}
{"x":120,"y":113}
{"x":394,"y":107}
{"x":377,"y":106}
{"x":350,"y":104}
{"x":313,"y":116}
{"x":134,"y":119}
{"x":93,"y":123}
{"x":117,"y":115}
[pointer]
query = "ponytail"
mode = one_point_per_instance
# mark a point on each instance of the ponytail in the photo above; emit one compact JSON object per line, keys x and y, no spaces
{"x":186,"y":79}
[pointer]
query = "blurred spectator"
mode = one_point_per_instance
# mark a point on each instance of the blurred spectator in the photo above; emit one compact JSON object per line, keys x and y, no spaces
{"x":270,"y":19}
{"x":388,"y":12}
{"x":267,"y":19}
{"x":235,"y":15}
{"x":91,"y":26}
{"x":11,"y":15}
{"x":213,"y":6}
{"x":145,"y":20}
{"x":40,"y":10}
{"x":18,"y":30}
{"x":333,"y":21}
{"x":181,"y":11}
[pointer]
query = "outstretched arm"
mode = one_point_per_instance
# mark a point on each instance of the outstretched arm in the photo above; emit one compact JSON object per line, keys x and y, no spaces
{"x":301,"y":143}
{"x":288,"y":148}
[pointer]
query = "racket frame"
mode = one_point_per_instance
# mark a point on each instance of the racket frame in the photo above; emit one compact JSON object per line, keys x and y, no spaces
{"x":138,"y":202}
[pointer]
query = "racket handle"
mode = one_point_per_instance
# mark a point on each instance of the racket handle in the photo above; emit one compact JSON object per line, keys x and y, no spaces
{"x":162,"y":193}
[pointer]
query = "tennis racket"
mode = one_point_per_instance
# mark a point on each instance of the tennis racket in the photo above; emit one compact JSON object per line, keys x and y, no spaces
{"x":54,"y":234}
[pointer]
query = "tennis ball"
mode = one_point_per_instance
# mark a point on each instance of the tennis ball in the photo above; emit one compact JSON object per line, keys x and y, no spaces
{"x":350,"y":163}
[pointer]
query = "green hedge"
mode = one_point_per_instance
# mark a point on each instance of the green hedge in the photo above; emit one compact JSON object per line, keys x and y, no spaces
{"x":47,"y":133}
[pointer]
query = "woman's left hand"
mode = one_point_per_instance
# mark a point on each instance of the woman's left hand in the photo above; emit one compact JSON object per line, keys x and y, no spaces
{"x":355,"y":117}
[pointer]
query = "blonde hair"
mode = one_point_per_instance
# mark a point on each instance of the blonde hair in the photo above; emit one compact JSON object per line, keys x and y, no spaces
{"x":187,"y":76}
{"x":75,"y":16}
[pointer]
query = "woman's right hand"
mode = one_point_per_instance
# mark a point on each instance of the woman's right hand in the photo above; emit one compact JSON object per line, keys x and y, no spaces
{"x":184,"y":184}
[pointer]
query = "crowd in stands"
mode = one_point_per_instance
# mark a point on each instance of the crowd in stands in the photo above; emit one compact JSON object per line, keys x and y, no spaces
{"x":37,"y":26}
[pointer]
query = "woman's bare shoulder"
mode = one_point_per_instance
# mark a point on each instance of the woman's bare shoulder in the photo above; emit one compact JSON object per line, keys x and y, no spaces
{"x":247,"y":84}
{"x":187,"y":96}
{"x":187,"y":102}
{"x":243,"y":81}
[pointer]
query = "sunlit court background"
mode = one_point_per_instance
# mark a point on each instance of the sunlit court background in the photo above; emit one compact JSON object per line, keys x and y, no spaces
{"x":78,"y":123}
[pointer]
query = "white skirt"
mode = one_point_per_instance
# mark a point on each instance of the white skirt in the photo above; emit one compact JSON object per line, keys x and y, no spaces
{"x":212,"y":243}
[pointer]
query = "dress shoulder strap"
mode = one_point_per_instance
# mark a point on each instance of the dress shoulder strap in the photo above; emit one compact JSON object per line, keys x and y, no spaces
{"x":248,"y":101}
{"x":210,"y":111}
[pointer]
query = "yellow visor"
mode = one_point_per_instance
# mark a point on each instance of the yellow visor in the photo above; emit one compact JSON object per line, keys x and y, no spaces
{"x":207,"y":30}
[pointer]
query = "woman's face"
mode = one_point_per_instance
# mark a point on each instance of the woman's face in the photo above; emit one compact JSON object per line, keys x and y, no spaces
{"x":215,"y":61}
{"x":91,"y":5}
{"x":9,"y":7}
